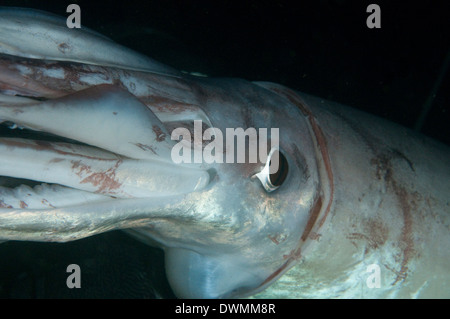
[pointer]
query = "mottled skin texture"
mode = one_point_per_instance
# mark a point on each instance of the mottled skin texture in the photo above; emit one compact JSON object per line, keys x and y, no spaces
{"x":391,"y":208}
{"x":359,"y":191}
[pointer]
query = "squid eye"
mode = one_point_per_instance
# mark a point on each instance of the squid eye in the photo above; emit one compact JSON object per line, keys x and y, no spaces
{"x":274,"y":173}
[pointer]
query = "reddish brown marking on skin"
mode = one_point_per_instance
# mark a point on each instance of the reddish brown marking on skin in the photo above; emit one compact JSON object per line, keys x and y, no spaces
{"x":45,"y":202}
{"x":274,"y":239}
{"x":314,"y":236}
{"x":63,"y":47}
{"x":277,"y":239}
{"x":295,"y":254}
{"x":168,"y":105}
{"x":3,"y":205}
{"x":314,"y":214}
{"x":406,"y":237}
{"x":375,"y":234}
{"x":372,"y":244}
{"x":56,"y":160}
{"x":146,"y":147}
{"x":82,"y":168}
{"x":354,"y":236}
{"x":377,"y":231}
{"x":160,"y":135}
{"x":105,"y":181}
{"x":12,"y":80}
{"x":37,"y":83}
{"x":73,"y":74}
{"x":401,"y":276}
{"x":384,"y":172}
{"x":275,"y":274}
{"x":322,"y":144}
{"x":23,"y":204}
{"x":43,"y":144}
{"x":47,"y":146}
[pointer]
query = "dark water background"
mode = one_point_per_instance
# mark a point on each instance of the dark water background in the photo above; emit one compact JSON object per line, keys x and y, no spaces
{"x":320,"y":47}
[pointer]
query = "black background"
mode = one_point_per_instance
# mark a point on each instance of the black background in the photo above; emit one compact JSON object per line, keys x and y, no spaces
{"x":320,"y":47}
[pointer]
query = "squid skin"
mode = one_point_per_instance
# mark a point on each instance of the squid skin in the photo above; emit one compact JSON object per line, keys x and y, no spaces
{"x":390,"y":209}
{"x":360,"y":193}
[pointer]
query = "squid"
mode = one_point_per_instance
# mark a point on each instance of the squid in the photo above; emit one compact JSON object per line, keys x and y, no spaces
{"x":357,"y":207}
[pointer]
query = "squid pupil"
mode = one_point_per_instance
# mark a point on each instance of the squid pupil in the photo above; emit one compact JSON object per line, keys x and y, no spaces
{"x":277,"y":178}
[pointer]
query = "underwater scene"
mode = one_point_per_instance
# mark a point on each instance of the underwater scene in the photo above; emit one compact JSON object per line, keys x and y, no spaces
{"x":350,"y":100}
